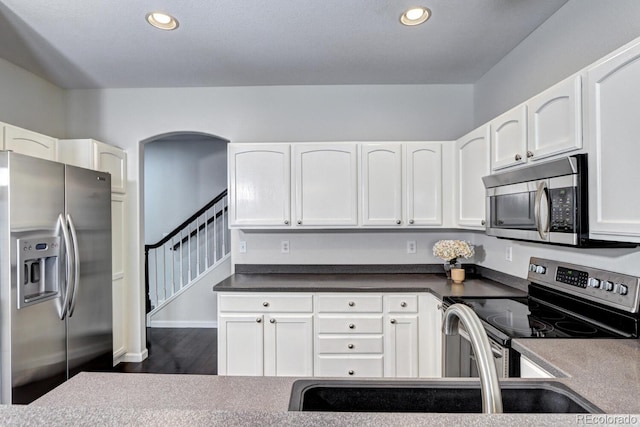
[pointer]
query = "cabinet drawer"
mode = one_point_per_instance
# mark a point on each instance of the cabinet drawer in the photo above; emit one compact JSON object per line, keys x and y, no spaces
{"x":402,"y":303}
{"x":290,"y":303}
{"x":350,"y":345}
{"x":330,"y":366}
{"x":351,"y":325}
{"x":350,"y":303}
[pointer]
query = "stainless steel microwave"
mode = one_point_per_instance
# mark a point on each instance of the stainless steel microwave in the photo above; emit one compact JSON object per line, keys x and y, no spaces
{"x":545,"y":202}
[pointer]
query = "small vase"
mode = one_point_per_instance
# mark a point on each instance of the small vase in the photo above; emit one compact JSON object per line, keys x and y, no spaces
{"x":457,"y":275}
{"x":448,"y":266}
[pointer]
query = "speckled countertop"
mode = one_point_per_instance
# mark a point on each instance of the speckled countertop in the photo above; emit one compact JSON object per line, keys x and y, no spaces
{"x":606,"y":372}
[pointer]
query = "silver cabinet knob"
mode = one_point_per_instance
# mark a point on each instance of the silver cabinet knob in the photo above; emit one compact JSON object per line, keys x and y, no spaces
{"x":286,"y":222}
{"x":299,"y":222}
{"x":351,"y":372}
{"x":403,"y":304}
{"x":265,"y":304}
{"x":483,"y":222}
{"x":258,"y":320}
{"x":272,"y":320}
{"x":393,"y":321}
{"x":518,"y":157}
{"x":350,"y":346}
{"x":529,"y":154}
{"x":411,"y":221}
{"x":398,"y":222}
{"x":351,"y":303}
{"x":352,"y":326}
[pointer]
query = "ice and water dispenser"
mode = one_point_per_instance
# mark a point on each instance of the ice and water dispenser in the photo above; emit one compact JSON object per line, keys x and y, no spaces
{"x":38,"y":270}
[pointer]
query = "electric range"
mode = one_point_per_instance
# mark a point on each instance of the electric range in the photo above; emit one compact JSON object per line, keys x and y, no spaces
{"x":564,"y":301}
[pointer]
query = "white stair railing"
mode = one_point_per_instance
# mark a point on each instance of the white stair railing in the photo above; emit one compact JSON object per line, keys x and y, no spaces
{"x":187,"y":252}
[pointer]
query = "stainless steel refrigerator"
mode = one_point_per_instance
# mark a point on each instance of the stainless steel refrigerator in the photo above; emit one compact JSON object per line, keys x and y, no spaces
{"x":55,"y":274}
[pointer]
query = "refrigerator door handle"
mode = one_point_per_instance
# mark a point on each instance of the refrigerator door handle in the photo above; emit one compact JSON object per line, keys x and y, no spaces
{"x":76,"y":264}
{"x":69,"y":262}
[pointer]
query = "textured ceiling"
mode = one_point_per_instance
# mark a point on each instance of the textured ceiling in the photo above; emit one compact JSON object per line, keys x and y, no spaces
{"x":107,"y":43}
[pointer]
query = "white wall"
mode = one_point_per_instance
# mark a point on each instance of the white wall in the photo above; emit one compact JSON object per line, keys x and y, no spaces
{"x":30,"y":102}
{"x":181,"y":175}
{"x":126,"y":117}
{"x":581,"y":32}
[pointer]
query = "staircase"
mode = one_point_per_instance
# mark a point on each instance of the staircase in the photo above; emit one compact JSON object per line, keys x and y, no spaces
{"x":190,"y":252}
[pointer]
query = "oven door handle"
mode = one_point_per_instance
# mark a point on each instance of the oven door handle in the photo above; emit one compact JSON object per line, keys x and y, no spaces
{"x":537,"y":210}
{"x":495,"y":349}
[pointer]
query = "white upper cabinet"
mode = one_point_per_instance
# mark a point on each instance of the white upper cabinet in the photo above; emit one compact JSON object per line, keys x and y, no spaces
{"x":555,"y":120}
{"x":381,"y":178}
{"x":472,"y":163}
{"x":259,"y":184}
{"x":29,"y":143}
{"x":612,"y":137}
{"x":509,"y":138}
{"x":326,"y":184}
{"x":96,"y":155}
{"x":423,"y":183}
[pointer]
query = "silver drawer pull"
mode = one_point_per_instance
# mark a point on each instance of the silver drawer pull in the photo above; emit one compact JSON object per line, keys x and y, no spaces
{"x":350,"y":345}
{"x":265,"y":304}
{"x":272,"y":321}
{"x":351,"y":372}
{"x":351,"y":303}
{"x":403,"y":304}
{"x":258,"y":320}
{"x":393,"y":321}
{"x":352,"y":326}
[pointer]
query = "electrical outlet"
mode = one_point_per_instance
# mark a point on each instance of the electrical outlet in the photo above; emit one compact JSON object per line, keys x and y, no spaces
{"x":284,"y":246}
{"x":243,"y":247}
{"x":508,"y":254}
{"x":411,"y":246}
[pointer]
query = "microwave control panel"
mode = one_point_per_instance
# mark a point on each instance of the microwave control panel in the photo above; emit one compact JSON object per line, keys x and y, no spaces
{"x":563,"y":209}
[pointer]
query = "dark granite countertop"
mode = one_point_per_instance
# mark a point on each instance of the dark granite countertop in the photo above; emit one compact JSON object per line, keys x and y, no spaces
{"x":434,"y":283}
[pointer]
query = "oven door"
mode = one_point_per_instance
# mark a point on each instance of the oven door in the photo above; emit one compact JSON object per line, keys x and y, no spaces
{"x":459,"y":360}
{"x":519,"y":211}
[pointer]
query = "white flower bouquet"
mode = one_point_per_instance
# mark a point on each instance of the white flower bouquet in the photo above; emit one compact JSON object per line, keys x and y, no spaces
{"x":451,"y":250}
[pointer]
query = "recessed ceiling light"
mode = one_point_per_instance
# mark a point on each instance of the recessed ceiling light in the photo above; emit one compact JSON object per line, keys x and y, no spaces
{"x":415,"y":16}
{"x":162,"y":21}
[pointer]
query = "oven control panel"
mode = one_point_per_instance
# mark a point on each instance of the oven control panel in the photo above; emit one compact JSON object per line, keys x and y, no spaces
{"x":605,"y":287}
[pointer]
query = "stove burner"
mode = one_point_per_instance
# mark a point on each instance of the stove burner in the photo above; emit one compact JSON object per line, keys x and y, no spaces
{"x":576,"y":328}
{"x":532,"y":327}
{"x":550,"y":315}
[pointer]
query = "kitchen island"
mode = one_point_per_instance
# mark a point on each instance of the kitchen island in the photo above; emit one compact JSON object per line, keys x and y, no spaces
{"x":146,"y":399}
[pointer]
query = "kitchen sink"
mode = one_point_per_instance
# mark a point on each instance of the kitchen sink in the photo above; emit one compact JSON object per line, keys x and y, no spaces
{"x":433,"y":396}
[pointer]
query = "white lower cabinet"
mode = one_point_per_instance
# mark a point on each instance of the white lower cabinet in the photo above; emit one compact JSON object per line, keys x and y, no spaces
{"x":265,"y":334}
{"x":329,"y":334}
{"x":529,"y":369}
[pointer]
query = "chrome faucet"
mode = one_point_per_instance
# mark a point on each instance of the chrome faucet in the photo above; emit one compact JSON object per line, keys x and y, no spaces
{"x":490,"y":387}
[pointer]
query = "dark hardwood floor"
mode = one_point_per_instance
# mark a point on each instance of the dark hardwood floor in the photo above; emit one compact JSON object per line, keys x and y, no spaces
{"x":178,"y":351}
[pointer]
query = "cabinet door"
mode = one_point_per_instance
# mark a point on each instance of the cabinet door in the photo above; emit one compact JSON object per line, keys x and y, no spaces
{"x":288,"y":347}
{"x":509,"y":138}
{"x":430,"y":324}
{"x":381,"y":178}
{"x":29,"y":143}
{"x":240,"y":344}
{"x":472,"y":163}
{"x":259,"y":184}
{"x":423,"y":183}
{"x":555,"y":120}
{"x":113,"y":160}
{"x":326,"y":179}
{"x":613,"y":102}
{"x":118,"y":256}
{"x":401,"y":346}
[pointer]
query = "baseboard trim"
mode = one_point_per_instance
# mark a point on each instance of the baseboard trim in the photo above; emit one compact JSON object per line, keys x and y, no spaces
{"x":135,"y":357}
{"x":183,"y":324}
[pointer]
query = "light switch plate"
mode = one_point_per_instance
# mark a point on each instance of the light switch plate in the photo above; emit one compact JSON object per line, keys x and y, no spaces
{"x":242,"y":248}
{"x":284,"y":246}
{"x":411,"y":247}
